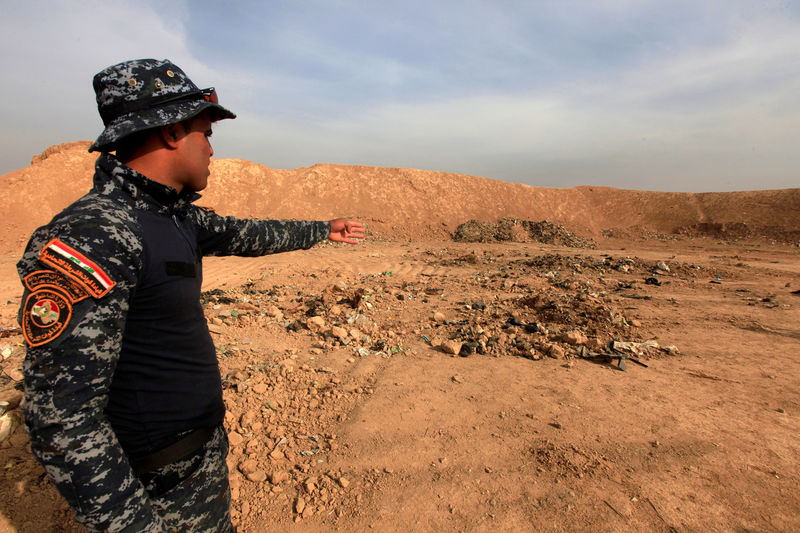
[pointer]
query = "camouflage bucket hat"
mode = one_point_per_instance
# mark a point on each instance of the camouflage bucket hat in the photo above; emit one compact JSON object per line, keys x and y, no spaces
{"x":146,"y":93}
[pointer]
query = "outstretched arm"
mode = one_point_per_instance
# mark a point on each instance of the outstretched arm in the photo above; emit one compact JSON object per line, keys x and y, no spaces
{"x":347,"y":231}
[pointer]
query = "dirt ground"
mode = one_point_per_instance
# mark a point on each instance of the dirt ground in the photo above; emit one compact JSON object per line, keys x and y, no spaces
{"x":345,"y":412}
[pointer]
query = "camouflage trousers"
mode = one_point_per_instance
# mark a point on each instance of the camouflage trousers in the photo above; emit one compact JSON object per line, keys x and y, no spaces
{"x":193,"y":494}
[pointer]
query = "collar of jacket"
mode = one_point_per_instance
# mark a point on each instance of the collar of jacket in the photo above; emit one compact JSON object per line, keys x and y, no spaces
{"x":116,"y":180}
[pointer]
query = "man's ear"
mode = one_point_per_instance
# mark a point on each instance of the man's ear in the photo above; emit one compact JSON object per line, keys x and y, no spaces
{"x":171,"y":134}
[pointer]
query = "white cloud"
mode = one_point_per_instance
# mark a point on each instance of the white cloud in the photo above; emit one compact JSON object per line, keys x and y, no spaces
{"x":59,"y":46}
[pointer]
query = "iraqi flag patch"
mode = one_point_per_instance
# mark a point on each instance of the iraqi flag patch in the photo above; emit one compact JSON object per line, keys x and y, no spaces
{"x":77,"y":267}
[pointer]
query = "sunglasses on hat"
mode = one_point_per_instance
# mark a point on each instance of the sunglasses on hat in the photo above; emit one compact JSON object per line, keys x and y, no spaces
{"x":209,"y":95}
{"x":112,"y":111}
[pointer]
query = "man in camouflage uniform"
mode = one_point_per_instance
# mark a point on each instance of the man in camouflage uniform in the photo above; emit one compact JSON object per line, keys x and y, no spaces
{"x":122,"y":386}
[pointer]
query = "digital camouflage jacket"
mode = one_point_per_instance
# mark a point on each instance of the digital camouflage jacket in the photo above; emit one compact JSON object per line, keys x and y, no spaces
{"x":116,"y":334}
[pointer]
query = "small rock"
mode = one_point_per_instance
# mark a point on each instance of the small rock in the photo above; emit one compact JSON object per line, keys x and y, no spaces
{"x":214,"y":328}
{"x":343,"y":482}
{"x":273,"y":311}
{"x":299,"y":505}
{"x":556,"y":352}
{"x":574,"y":337}
{"x":466,"y":350}
{"x":315,"y":323}
{"x":452,"y":347}
{"x":257,"y":477}
{"x":10,"y":399}
{"x":234,"y":438}
{"x":260,"y":388}
{"x":662,"y":266}
{"x":14,"y":374}
{"x":278,"y":477}
{"x":248,"y":466}
{"x":276,"y":454}
{"x":439,"y":317}
{"x":8,"y":422}
{"x":339,"y":332}
{"x":457,"y":379}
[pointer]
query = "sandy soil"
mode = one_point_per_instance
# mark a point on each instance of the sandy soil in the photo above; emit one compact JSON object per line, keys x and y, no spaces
{"x":346,"y":412}
{"x":703,"y":439}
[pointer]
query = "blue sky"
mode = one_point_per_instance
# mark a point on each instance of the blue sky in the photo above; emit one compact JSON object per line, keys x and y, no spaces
{"x":669,"y":95}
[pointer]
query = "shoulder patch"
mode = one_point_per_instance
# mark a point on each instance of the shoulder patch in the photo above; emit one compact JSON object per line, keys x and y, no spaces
{"x":77,"y":267}
{"x":50,"y":279}
{"x":44,"y":316}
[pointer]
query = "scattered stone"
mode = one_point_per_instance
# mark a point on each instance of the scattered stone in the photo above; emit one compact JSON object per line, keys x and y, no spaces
{"x":638,"y":348}
{"x":574,"y":337}
{"x":257,"y":477}
{"x":339,"y":332}
{"x":8,"y":422}
{"x":452,"y":347}
{"x":555,"y":351}
{"x":276,"y":454}
{"x":215,"y":328}
{"x":248,"y":466}
{"x":315,"y":323}
{"x":278,"y":477}
{"x":14,"y":374}
{"x":466,"y":350}
{"x":10,"y":399}
{"x":235,"y":439}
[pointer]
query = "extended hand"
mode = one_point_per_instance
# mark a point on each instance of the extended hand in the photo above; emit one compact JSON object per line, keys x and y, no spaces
{"x":347,"y":231}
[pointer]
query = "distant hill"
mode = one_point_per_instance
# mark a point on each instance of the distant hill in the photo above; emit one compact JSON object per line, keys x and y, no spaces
{"x":401,"y":203}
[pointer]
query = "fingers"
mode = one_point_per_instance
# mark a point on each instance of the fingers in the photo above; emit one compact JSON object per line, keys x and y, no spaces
{"x":347,"y":231}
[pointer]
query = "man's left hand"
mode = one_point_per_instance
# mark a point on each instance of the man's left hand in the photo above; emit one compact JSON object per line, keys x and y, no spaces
{"x":347,"y":231}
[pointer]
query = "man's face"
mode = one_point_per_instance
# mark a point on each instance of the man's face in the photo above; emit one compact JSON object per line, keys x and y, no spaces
{"x":194,"y":150}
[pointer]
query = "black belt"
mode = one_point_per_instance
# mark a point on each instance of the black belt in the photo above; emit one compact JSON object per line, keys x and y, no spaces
{"x":173,"y":452}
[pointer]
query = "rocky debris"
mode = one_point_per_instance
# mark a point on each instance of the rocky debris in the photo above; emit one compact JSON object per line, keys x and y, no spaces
{"x":292,"y":354}
{"x":10,"y":415}
{"x":509,"y":229}
{"x":452,"y":347}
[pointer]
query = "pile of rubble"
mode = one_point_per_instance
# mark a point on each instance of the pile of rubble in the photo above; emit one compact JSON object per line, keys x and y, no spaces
{"x":515,"y":230}
{"x":287,"y":353}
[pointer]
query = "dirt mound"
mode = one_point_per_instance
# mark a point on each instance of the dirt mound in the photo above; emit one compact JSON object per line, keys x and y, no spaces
{"x":400,"y":203}
{"x":509,"y":229}
{"x":732,"y":231}
{"x":59,"y":148}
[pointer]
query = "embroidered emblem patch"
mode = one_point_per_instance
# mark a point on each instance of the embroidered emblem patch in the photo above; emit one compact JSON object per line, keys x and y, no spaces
{"x":44,"y":317}
{"x":50,"y":279}
{"x":77,"y":267}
